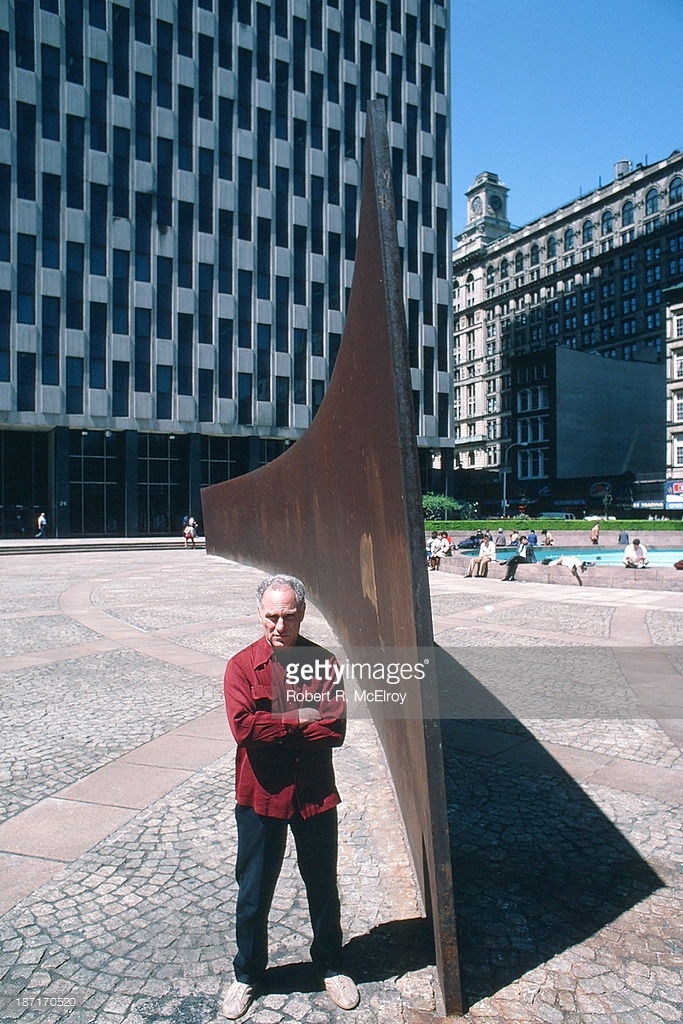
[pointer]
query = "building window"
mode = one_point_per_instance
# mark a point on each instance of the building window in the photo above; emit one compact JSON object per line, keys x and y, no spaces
{"x":185,"y":344}
{"x":205,"y":404}
{"x":120,"y":378}
{"x":185,"y":244}
{"x":26,"y":381}
{"x":531,"y":464}
{"x":552,"y":247}
{"x":676,"y":190}
{"x":119,"y":292}
{"x":627,"y":214}
{"x":98,"y":345}
{"x":164,"y":392}
{"x":651,"y":202}
{"x":244,"y":393}
{"x":164,"y":61}
{"x":121,"y":172}
{"x":607,"y":223}
{"x":120,"y":48}
{"x":205,"y":77}
{"x":74,"y":385}
{"x":142,"y":343}
{"x":50,"y":91}
{"x":185,"y":127}
{"x":568,"y":239}
{"x":49,"y":341}
{"x":504,"y":269}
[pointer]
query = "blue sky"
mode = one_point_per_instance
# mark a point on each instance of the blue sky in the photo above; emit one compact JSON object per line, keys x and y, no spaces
{"x":549,"y":94}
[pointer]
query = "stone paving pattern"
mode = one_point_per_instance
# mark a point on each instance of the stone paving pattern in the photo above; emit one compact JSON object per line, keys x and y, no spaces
{"x":117,"y":836}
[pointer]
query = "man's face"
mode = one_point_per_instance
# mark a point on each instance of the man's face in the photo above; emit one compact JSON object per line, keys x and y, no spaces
{"x":281,"y":617}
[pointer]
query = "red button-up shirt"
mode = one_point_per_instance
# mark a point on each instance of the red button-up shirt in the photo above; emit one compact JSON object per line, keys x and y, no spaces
{"x":283,"y":768}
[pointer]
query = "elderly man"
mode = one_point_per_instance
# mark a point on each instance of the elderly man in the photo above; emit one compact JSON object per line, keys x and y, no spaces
{"x":479,"y":565}
{"x":635,"y":555}
{"x":286,"y":708}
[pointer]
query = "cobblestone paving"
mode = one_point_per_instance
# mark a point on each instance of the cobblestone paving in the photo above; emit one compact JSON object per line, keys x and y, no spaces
{"x":567,"y":891}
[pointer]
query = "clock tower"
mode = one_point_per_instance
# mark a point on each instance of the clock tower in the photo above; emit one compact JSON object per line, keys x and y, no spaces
{"x":487,"y":217}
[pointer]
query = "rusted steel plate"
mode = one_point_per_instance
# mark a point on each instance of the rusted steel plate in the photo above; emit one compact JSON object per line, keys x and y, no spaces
{"x":342,"y":510}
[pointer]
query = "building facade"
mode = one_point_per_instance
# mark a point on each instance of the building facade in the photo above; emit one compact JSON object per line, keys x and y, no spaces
{"x":179,"y":190}
{"x":589,"y":278}
{"x":674,"y":403}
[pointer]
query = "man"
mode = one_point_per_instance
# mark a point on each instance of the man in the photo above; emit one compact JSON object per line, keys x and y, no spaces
{"x":42,"y":526}
{"x":435,"y":551}
{"x":635,"y":555}
{"x":573,"y":563}
{"x":525,"y":553}
{"x":487,"y":553}
{"x":286,"y":709}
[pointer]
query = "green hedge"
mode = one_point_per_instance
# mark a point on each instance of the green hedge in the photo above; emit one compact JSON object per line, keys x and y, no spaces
{"x":632,"y":526}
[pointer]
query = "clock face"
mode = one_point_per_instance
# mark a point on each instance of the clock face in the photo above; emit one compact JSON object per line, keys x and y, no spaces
{"x":496,"y":203}
{"x":476,"y":205}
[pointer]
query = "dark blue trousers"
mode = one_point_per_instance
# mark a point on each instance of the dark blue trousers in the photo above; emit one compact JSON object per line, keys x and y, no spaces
{"x":261,"y":845}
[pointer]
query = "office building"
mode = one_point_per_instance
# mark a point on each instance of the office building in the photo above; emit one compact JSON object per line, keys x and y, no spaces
{"x":560,"y":344}
{"x":179,"y":191}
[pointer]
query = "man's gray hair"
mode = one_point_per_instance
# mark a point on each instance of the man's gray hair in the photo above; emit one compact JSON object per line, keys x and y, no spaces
{"x":282,"y":582}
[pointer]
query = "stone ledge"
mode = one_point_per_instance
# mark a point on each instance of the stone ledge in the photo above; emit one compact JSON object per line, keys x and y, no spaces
{"x":608,"y":576}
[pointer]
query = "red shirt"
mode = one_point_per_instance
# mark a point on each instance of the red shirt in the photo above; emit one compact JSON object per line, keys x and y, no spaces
{"x":282,"y":768}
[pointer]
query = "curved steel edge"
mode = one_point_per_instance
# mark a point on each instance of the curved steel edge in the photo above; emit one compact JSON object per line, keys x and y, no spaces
{"x":342,"y":509}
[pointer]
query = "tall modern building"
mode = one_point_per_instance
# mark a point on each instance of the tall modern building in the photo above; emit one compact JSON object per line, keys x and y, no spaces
{"x":560,"y":344}
{"x":179,"y":190}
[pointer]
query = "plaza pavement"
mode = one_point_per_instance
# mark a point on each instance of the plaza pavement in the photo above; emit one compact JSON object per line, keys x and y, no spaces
{"x":117,"y":836}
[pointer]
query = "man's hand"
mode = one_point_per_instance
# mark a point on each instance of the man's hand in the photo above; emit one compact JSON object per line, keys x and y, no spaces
{"x":307,"y":715}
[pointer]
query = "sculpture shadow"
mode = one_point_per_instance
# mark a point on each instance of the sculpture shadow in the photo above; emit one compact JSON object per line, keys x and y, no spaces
{"x":537,"y":866}
{"x":389,"y":950}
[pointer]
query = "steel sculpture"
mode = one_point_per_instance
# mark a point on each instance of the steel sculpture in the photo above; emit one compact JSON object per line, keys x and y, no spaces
{"x":342,"y":509}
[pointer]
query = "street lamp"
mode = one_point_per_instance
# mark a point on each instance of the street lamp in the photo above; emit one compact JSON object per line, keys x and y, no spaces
{"x":515,"y":444}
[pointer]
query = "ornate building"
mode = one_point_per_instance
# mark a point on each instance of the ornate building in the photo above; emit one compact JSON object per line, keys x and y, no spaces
{"x":588,"y":278}
{"x":179,"y":188}
{"x":674,"y":385}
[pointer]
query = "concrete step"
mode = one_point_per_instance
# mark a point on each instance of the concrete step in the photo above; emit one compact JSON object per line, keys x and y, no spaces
{"x":74,"y":544}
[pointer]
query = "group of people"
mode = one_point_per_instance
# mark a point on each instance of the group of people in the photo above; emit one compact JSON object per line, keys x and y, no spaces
{"x":523,"y":543}
{"x":439,"y":546}
{"x":479,"y":564}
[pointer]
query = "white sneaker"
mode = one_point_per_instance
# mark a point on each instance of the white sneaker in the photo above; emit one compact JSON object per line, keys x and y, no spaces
{"x":237,"y":1000}
{"x":342,"y":990}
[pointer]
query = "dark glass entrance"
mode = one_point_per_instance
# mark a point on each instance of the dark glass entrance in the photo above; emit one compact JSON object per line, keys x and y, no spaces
{"x":25,"y":489}
{"x":96,"y":483}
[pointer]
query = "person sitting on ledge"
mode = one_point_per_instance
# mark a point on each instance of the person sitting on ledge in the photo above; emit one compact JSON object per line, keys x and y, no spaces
{"x":635,"y":555}
{"x":479,"y":565}
{"x":525,"y":553}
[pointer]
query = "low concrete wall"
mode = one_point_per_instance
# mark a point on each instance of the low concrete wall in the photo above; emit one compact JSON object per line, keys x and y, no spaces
{"x":609,"y":538}
{"x":609,"y":576}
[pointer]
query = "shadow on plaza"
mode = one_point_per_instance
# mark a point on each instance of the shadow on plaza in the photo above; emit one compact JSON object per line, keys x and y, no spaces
{"x":386,"y":951}
{"x":537,"y":866}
